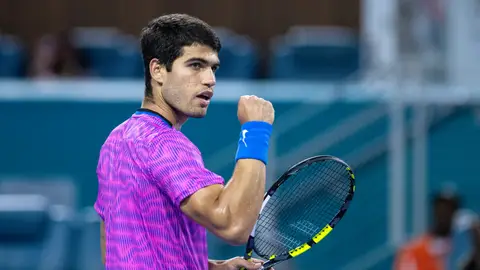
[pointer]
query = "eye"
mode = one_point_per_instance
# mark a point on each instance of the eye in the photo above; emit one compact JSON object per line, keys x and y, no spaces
{"x":215,"y":68}
{"x":196,"y":66}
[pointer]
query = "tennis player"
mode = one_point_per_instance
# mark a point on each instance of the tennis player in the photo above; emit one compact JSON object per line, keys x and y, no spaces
{"x":156,"y":199}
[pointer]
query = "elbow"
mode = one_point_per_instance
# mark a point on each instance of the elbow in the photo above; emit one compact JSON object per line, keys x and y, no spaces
{"x":237,"y":236}
{"x":234,"y":231}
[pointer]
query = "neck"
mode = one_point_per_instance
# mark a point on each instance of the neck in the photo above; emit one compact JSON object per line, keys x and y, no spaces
{"x":166,"y":111}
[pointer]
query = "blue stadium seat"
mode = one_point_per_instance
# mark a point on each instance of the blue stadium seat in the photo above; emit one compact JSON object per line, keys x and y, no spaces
{"x":108,"y":53}
{"x":315,"y":53}
{"x":42,"y":234}
{"x":32,"y":233}
{"x":12,"y":57}
{"x":239,"y":57}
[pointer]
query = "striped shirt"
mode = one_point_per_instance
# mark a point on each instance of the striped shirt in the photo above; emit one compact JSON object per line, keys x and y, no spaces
{"x":145,"y":169}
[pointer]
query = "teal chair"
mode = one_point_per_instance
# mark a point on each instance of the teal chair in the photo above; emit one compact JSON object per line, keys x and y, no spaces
{"x":32,"y":233}
{"x":315,"y":53}
{"x":12,"y":57}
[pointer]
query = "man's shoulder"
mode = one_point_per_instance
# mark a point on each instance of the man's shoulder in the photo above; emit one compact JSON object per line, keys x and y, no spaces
{"x":158,"y":134}
{"x":142,"y":131}
{"x":150,"y":139}
{"x":173,"y":141}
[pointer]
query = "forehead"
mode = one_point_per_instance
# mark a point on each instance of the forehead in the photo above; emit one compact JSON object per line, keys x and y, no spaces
{"x":199,"y":51}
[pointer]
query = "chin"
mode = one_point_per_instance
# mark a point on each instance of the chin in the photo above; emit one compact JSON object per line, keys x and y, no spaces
{"x":198,"y":114}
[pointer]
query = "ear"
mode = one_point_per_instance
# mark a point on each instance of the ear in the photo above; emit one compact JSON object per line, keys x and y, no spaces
{"x":157,"y":71}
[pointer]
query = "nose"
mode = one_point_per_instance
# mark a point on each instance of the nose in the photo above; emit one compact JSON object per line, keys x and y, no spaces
{"x":209,"y":78}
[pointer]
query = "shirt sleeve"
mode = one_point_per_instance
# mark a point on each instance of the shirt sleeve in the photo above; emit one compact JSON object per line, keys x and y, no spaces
{"x":176,"y":167}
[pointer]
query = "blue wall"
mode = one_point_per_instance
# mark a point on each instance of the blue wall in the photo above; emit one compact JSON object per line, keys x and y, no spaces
{"x":41,"y":138}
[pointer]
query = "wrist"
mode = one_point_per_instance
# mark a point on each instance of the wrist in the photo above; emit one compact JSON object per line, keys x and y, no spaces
{"x":254,"y":141}
{"x":214,"y":264}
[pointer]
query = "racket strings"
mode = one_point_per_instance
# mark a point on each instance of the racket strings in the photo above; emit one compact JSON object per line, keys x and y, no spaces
{"x":301,"y":207}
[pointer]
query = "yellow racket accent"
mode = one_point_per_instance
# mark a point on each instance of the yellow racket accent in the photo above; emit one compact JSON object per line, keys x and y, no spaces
{"x":324,"y":232}
{"x":299,"y":250}
{"x":351,"y":173}
{"x":280,"y":255}
{"x":317,"y":238}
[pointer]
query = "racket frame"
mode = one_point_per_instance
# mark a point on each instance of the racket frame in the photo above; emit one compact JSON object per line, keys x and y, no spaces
{"x":275,"y":259}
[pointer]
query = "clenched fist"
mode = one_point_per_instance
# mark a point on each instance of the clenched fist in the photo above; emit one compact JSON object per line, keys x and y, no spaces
{"x":253,"y":108}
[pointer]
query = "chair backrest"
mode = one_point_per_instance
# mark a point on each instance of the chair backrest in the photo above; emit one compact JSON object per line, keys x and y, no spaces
{"x":315,"y":53}
{"x":107,"y":52}
{"x":36,"y":216}
{"x":239,"y":55}
{"x":24,"y":226}
{"x":59,"y":190}
{"x":12,"y":57}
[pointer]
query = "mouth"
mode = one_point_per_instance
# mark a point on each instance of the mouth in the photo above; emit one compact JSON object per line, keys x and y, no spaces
{"x":205,"y":95}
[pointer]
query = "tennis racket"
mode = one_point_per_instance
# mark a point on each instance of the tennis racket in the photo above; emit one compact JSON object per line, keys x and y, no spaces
{"x":301,"y":209}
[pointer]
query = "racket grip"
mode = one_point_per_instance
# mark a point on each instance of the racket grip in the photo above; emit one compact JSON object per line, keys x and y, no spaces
{"x":248,"y":259}
{"x":261,"y":268}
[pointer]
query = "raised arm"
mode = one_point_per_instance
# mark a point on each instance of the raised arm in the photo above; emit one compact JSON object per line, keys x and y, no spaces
{"x":230,"y":211}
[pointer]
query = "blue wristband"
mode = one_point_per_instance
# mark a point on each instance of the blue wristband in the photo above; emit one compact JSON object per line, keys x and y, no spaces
{"x":254,"y":140}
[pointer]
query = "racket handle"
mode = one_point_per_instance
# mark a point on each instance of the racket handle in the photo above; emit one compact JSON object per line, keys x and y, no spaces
{"x":261,"y":268}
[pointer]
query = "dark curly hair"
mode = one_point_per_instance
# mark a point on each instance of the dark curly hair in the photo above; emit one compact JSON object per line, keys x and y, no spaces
{"x":164,"y":38}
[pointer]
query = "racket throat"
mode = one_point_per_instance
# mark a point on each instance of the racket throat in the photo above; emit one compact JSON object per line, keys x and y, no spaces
{"x":276,"y":260}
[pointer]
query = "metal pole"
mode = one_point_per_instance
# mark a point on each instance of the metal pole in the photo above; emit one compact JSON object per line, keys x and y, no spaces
{"x":396,"y":194}
{"x":419,"y":169}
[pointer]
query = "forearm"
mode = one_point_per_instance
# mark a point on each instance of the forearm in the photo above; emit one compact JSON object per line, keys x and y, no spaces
{"x":230,"y":211}
{"x":243,"y":195}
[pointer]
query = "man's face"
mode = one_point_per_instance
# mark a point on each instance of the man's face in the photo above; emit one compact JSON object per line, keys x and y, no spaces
{"x":188,"y":87}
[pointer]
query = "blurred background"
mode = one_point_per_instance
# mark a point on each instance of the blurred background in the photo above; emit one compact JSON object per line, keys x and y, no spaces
{"x":390,"y":86}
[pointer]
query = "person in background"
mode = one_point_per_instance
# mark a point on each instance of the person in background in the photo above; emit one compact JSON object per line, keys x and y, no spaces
{"x":55,"y":56}
{"x":473,"y":260}
{"x":430,"y":251}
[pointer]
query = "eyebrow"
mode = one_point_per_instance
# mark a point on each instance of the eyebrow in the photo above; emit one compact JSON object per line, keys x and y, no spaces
{"x":204,"y":61}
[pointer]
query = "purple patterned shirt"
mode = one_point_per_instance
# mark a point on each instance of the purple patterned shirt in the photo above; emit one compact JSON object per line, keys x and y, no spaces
{"x":145,"y":169}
